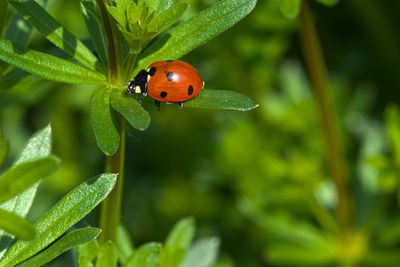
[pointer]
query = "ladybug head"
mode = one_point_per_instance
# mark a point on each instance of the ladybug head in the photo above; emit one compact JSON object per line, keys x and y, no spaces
{"x":139,"y":84}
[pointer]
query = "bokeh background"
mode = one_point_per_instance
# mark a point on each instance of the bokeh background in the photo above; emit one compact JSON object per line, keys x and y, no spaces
{"x":259,"y":180}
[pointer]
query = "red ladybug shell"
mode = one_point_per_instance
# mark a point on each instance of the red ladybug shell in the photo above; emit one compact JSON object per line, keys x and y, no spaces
{"x":173,"y":81}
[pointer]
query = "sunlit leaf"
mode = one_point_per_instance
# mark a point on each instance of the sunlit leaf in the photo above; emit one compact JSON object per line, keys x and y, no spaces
{"x":68,"y":211}
{"x":38,"y":146}
{"x":196,"y":31}
{"x":202,"y":253}
{"x":102,"y":121}
{"x":107,"y":255}
{"x":70,"y":240}
{"x":130,"y":109}
{"x":47,"y":66}
{"x":13,"y":224}
{"x":221,"y":99}
{"x":145,"y":256}
{"x":54,"y":32}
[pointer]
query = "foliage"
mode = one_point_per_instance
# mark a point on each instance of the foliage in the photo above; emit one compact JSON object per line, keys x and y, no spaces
{"x":259,"y":180}
{"x":177,"y":251}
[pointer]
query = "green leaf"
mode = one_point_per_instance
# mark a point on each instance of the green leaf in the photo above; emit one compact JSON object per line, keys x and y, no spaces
{"x":84,"y":262}
{"x":290,"y":8}
{"x":165,"y":4}
{"x":47,"y":66}
{"x":70,"y":240}
{"x":38,"y":146}
{"x":203,"y":253}
{"x":328,"y":2}
{"x":89,"y":250}
{"x":16,"y":225}
{"x":68,"y":211}
{"x":130,"y":109}
{"x":107,"y":256}
{"x":179,"y":239}
{"x":221,"y":99}
{"x":181,"y":235}
{"x":167,"y":18}
{"x":3,"y":149}
{"x":19,"y":30}
{"x":103,"y":123}
{"x":54,"y":32}
{"x":124,"y":244}
{"x":90,"y":14}
{"x":21,"y":177}
{"x":145,"y":256}
{"x":196,"y":31}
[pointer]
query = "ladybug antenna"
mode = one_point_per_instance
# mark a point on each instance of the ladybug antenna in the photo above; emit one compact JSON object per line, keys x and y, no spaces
{"x":139,"y":84}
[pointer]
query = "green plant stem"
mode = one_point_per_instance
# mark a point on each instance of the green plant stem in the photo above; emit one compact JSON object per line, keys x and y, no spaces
{"x":319,"y":80}
{"x":3,"y":14}
{"x":113,"y":43}
{"x":111,"y":206}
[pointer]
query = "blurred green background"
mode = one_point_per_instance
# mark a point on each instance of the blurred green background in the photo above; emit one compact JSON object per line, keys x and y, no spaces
{"x":259,"y":180}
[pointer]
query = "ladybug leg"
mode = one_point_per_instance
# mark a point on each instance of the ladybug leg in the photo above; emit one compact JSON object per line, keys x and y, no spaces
{"x":157,"y":103}
{"x":180,"y":105}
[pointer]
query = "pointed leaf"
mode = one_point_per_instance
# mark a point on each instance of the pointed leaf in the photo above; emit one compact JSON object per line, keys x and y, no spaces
{"x":165,"y":4}
{"x":124,"y":244}
{"x":16,"y":225}
{"x":90,"y":15}
{"x":178,"y":241}
{"x":145,"y":256}
{"x":102,"y":120}
{"x":54,"y":32}
{"x":70,"y":240}
{"x":130,"y":109}
{"x":68,"y":211}
{"x":196,"y":31}
{"x":203,"y":253}
{"x":167,"y":18}
{"x":107,"y":256}
{"x":221,"y":99}
{"x":38,"y":146}
{"x":21,"y":177}
{"x":290,"y":8}
{"x":181,"y":235}
{"x":47,"y":66}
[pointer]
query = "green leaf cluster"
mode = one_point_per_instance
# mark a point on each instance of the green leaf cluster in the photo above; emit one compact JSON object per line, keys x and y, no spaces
{"x":178,"y":250}
{"x":18,"y":188}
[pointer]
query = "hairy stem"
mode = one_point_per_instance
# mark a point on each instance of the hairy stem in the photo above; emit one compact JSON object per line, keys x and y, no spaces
{"x":111,"y":206}
{"x":319,"y":80}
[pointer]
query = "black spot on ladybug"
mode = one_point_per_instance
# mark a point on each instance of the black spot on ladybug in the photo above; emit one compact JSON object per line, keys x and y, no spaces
{"x":163,"y":94}
{"x":170,"y":76}
{"x":152,"y":71}
{"x":169,"y":60}
{"x":190,"y":90}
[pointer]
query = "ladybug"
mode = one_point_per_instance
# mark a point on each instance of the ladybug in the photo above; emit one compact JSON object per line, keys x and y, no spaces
{"x":170,"y":81}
